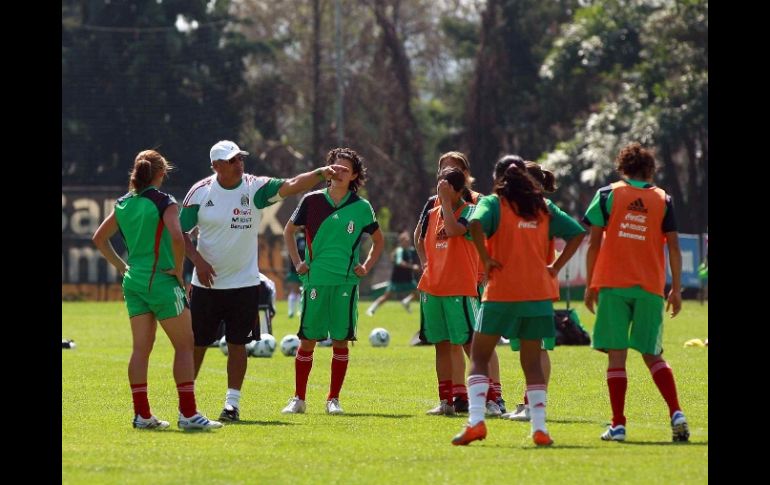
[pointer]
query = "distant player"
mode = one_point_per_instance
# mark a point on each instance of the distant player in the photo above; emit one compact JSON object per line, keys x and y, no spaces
{"x":405,"y":265}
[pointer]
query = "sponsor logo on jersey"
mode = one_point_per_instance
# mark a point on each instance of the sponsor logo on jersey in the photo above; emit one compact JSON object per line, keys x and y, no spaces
{"x":637,"y":206}
{"x":527,"y":224}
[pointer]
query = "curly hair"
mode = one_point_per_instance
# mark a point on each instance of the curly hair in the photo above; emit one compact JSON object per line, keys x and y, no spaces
{"x":355,"y":159}
{"x":636,"y":162}
{"x":147,"y":164}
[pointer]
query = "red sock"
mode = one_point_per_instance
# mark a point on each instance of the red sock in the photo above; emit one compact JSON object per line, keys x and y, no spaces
{"x":339,"y":368}
{"x":445,"y":390}
{"x":186,"y":391}
{"x":459,"y":391}
{"x":664,"y":379}
{"x":492,"y":393}
{"x":141,"y":404}
{"x":617,"y":382}
{"x":303,"y":363}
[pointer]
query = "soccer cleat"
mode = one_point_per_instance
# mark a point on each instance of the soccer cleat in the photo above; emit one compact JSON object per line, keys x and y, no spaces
{"x":521,"y":413}
{"x":197,"y":421}
{"x":370,"y":312}
{"x":230,"y":413}
{"x":443,"y":409}
{"x":333,"y":406}
{"x":541,"y":438}
{"x":291,"y":314}
{"x":615,"y":433}
{"x":150,"y":423}
{"x":493,"y":409}
{"x":470,"y":434}
{"x":501,"y":404}
{"x":460,"y":405}
{"x":295,"y":406}
{"x":405,"y":304}
{"x":679,"y":428}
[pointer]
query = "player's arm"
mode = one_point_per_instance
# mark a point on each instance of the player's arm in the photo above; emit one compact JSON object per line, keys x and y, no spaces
{"x":188,"y":219}
{"x":291,"y":245}
{"x":594,"y":245}
{"x":308,"y":180}
{"x":451,"y":226}
{"x":171,"y":221}
{"x":674,"y":298}
{"x":378,"y":245}
{"x":101,"y":239}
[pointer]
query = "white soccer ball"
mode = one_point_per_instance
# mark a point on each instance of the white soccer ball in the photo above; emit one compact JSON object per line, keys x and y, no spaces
{"x":250,"y":347}
{"x":289,"y":345}
{"x":379,"y":337}
{"x":223,"y":345}
{"x":265,"y":346}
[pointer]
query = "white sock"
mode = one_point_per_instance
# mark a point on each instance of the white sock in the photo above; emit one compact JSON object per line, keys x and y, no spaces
{"x":292,"y":302}
{"x":373,"y":307}
{"x":478,"y":386}
{"x":537,"y":401}
{"x":233,"y":397}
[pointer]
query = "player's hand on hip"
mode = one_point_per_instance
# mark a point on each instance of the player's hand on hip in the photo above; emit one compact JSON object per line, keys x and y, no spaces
{"x":360,"y":270}
{"x":206,"y":274}
{"x":302,"y":268}
{"x":590,"y":298}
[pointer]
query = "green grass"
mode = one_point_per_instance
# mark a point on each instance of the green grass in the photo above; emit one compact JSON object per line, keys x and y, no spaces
{"x":385,"y":436}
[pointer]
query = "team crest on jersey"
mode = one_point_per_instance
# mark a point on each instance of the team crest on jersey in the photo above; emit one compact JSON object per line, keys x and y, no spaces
{"x":313,"y":294}
{"x":244,"y":200}
{"x":425,"y":298}
{"x":351,"y":227}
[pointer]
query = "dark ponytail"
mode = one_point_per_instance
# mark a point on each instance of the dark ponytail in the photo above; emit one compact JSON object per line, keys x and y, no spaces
{"x":521,"y":191}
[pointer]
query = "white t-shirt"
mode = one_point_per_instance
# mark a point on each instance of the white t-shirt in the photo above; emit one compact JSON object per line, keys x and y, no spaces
{"x":228,"y":223}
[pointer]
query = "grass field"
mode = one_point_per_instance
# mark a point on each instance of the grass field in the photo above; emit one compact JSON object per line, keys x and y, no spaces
{"x":385,"y":436}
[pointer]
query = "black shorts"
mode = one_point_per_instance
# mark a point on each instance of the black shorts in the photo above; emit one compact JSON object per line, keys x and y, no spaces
{"x":237,"y":307}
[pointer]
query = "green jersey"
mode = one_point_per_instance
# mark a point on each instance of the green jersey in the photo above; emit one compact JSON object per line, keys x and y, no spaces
{"x":333,"y":234}
{"x":140,"y":220}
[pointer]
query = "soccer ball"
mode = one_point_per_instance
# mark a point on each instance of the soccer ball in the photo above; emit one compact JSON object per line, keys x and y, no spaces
{"x":264,"y":347}
{"x":379,"y":337}
{"x":223,"y":345}
{"x":289,"y":345}
{"x":250,"y":347}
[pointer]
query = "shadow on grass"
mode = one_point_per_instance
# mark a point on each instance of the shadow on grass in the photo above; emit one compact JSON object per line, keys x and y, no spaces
{"x":658,"y":443}
{"x":374,"y":415}
{"x":252,"y":422}
{"x":531,"y":446}
{"x":571,"y":421}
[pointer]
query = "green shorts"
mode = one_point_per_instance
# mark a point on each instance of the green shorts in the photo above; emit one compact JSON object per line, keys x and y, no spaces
{"x":404,"y":287}
{"x":166,"y":299}
{"x":529,"y":320}
{"x":329,"y":311}
{"x":629,"y":317}
{"x":448,"y":318}
{"x":545,"y":344}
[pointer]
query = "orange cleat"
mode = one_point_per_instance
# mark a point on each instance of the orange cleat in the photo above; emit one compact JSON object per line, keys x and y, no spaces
{"x":541,"y":438}
{"x":470,"y":433}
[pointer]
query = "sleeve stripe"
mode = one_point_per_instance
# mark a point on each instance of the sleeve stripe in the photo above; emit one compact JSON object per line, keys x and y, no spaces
{"x":195,"y":187}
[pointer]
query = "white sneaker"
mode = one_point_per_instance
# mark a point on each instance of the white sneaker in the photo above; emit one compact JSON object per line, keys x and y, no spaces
{"x":521,"y":413}
{"x":197,"y":421}
{"x":493,"y":409}
{"x":443,"y":409}
{"x":150,"y":423}
{"x":405,"y":304}
{"x":614,"y":433}
{"x":333,"y":406}
{"x":370,"y":311}
{"x":295,"y":406}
